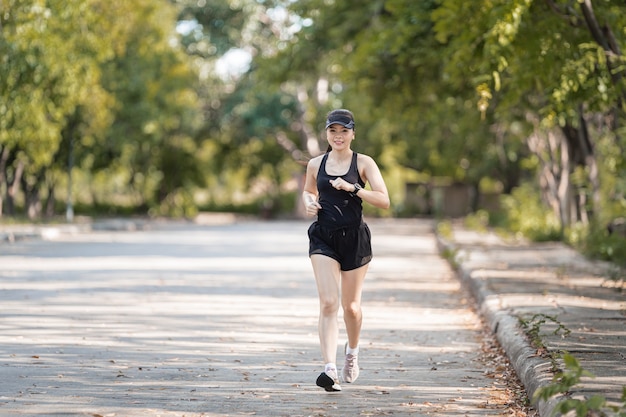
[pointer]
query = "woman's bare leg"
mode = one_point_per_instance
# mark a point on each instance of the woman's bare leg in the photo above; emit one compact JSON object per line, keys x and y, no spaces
{"x":351,"y":289}
{"x":327,"y":277}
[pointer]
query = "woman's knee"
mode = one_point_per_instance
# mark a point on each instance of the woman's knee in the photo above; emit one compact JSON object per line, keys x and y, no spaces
{"x":329,"y":306}
{"x":352,"y":309}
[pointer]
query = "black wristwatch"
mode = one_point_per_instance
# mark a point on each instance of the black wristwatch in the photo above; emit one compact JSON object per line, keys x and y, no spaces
{"x":357,"y":188}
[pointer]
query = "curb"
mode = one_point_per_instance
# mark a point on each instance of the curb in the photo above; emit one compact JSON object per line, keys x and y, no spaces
{"x":10,"y":237}
{"x":532,"y":371}
{"x":13,"y":233}
{"x":19,"y":233}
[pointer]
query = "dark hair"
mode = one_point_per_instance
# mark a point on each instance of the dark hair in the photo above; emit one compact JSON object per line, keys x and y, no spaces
{"x":339,"y":116}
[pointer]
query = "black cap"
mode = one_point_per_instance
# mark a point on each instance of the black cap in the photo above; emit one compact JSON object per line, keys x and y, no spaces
{"x":342,"y":119}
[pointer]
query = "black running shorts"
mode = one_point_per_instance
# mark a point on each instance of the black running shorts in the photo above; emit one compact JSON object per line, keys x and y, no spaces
{"x":350,"y":246}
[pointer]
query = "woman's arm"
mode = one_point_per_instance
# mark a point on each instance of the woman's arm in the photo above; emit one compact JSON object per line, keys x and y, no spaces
{"x":377,"y":195}
{"x":310,"y":193}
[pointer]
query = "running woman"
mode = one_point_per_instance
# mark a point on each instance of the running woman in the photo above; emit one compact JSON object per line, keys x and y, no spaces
{"x":339,"y":240}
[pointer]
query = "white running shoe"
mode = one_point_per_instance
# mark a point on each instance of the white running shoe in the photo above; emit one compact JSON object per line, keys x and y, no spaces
{"x":350,"y":371}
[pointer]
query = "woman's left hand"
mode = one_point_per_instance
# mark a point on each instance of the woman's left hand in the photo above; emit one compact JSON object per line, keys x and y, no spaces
{"x":341,"y":184}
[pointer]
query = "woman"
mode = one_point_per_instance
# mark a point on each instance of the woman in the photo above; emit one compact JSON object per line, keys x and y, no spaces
{"x":339,"y":241}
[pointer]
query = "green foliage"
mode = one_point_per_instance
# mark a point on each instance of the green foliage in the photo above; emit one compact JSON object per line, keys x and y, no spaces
{"x":385,"y":63}
{"x":562,"y":384}
{"x":440,"y":88}
{"x":532,"y":327}
{"x":216,"y":26}
{"x":599,"y":244}
{"x":444,"y":228}
{"x":478,"y":221}
{"x":100,"y":84}
{"x":527,"y":216}
{"x":517,"y":48}
{"x":280,"y":206}
{"x":50,"y":67}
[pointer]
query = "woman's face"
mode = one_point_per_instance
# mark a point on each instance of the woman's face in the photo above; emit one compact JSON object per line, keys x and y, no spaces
{"x":339,"y":137}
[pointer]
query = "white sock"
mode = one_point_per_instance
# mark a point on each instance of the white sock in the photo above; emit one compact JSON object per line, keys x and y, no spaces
{"x":330,"y":367}
{"x":350,"y":351}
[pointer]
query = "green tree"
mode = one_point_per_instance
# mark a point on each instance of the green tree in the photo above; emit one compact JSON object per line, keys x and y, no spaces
{"x":250,"y":126}
{"x":49,"y":66}
{"x":104,"y":84}
{"x":214,"y":27}
{"x":150,"y":148}
{"x":556,"y":67}
{"x":545,"y":77}
{"x":384,"y":62}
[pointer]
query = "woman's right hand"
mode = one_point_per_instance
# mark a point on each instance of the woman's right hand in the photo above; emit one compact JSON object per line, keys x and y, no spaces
{"x":312,"y":207}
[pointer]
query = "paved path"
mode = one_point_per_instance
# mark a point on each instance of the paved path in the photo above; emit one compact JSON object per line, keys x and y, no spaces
{"x":574,"y":304}
{"x":221,"y":320}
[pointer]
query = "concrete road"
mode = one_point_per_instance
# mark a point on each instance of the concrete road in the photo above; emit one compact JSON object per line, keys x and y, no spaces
{"x":188,"y":320}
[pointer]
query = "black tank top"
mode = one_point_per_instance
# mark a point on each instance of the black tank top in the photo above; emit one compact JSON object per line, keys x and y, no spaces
{"x":339,"y":208}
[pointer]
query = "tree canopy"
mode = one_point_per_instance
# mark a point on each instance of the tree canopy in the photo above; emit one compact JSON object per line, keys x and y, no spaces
{"x":127,"y":96}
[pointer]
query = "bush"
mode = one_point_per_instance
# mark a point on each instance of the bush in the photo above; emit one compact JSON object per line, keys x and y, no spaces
{"x":599,"y":244}
{"x":526,"y":215}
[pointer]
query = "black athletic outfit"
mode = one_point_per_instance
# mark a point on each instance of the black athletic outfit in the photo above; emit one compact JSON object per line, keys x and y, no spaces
{"x":340,"y":231}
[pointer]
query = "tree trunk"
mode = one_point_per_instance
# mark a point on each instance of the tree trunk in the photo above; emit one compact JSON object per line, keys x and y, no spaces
{"x":590,"y":162}
{"x":555,"y":156}
{"x":50,"y":202}
{"x":564,"y":187}
{"x":33,"y":203}
{"x":13,"y":187}
{"x":308,"y":137}
{"x":31,"y":191}
{"x":4,"y":157}
{"x":582,"y":154}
